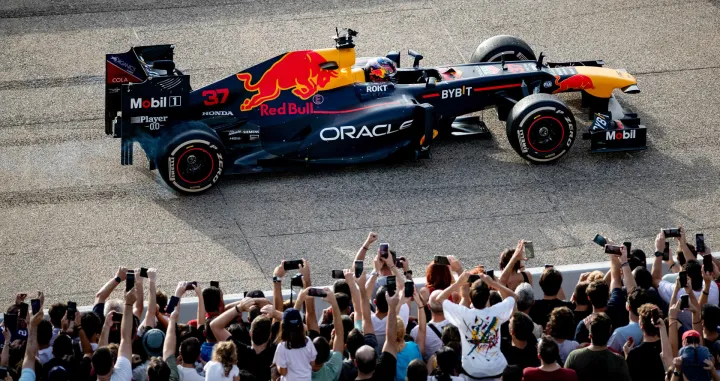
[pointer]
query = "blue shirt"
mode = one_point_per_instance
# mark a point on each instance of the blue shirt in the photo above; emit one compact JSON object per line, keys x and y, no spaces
{"x":409,"y":353}
{"x":621,"y":335}
{"x":206,"y":351}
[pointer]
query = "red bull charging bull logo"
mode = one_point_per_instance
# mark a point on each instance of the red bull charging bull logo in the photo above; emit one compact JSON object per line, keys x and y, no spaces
{"x":299,"y":71}
{"x":575,"y":82}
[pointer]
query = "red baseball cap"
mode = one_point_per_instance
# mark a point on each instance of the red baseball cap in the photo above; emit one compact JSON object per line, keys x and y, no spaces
{"x":691,"y":333}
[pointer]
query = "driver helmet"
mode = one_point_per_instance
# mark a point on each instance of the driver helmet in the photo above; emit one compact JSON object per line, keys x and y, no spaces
{"x":380,"y":69}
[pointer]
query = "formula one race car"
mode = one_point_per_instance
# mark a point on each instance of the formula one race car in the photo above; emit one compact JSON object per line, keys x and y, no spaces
{"x":329,"y":107}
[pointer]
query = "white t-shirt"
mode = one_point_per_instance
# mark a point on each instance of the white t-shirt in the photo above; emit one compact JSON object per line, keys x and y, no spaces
{"x":214,"y":371}
{"x":297,"y":361}
{"x":432,"y":342}
{"x":380,"y":325}
{"x":45,"y":355}
{"x":452,"y":378}
{"x":665,"y":289}
{"x":122,"y":371}
{"x":481,"y":355}
{"x":189,"y":374}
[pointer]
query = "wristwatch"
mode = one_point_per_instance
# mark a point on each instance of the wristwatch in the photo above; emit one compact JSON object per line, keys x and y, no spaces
{"x":118,"y":279}
{"x":277,"y":279}
{"x":659,"y":253}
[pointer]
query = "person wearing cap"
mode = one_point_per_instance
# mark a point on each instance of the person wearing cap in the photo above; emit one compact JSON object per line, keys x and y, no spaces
{"x":295,"y":354}
{"x":152,"y":342}
{"x":693,"y":357}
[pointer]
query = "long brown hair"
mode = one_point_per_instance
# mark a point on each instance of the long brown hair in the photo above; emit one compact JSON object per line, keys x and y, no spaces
{"x":438,"y":276}
{"x":225,"y":353}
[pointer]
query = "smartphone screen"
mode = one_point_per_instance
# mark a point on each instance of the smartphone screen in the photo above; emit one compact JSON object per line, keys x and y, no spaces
{"x":391,"y":285}
{"x":384,"y":250}
{"x":358,"y":268}
{"x":441,"y":260}
{"x":35,"y":303}
{"x":671,"y":233}
{"x":118,"y":317}
{"x":409,"y":288}
{"x":317,"y":292}
{"x":337,"y":274}
{"x":613,"y":250}
{"x":666,"y":252}
{"x":129,"y":281}
{"x":600,"y":240}
{"x":707,"y":263}
{"x":529,"y":250}
{"x":190,"y":285}
{"x":214,"y":283}
{"x":700,"y":243}
{"x":292,"y":265}
{"x":10,"y":321}
{"x":143,"y":272}
{"x":684,"y":302}
{"x":628,"y":246}
{"x":473,"y":278}
{"x":71,"y":310}
{"x":683,"y":278}
{"x":23,"y":310}
{"x":171,"y":304}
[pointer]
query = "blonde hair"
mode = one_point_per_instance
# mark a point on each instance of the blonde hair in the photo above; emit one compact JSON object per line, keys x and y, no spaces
{"x":400,"y":330}
{"x":225,"y":353}
{"x":595,"y":275}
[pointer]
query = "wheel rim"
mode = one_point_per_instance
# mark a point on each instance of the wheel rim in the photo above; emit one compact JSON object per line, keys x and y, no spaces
{"x":545,"y":134}
{"x":508,"y":55}
{"x":195,"y":165}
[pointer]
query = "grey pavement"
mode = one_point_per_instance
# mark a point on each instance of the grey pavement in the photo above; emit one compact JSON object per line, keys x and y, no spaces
{"x":70,"y":214}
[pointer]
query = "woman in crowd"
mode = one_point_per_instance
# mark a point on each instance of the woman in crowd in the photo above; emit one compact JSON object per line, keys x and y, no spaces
{"x":295,"y":353}
{"x":518,"y":274}
{"x":448,"y":363}
{"x":223,"y":366}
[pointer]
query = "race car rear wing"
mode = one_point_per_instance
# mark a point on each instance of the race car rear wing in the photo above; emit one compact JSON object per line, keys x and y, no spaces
{"x":134,"y":66}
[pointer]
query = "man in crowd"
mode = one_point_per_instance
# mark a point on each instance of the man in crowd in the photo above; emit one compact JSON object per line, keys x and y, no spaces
{"x":551,"y":284}
{"x":370,"y":366}
{"x":596,"y":362}
{"x":521,"y":349}
{"x":644,"y":361}
{"x":433,"y":338}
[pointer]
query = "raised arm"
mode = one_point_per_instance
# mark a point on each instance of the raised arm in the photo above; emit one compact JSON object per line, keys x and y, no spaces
{"x":393,"y":303}
{"x":104,"y":293}
{"x":707,"y":282}
{"x":105,"y":331}
{"x":31,"y":348}
{"x":5,"y":355}
{"x":150,"y":319}
{"x":422,"y":322}
{"x":518,"y":255}
{"x":657,"y":264}
{"x":615,"y":272}
{"x":171,"y":336}
{"x":126,"y":326}
{"x":85,"y":345}
{"x":139,"y":306}
{"x":219,"y":324}
{"x":311,"y":317}
{"x":364,"y":307}
{"x":200,"y":305}
{"x":339,"y":342}
{"x":370,"y":283}
{"x":455,"y":287}
{"x":504,"y":291}
{"x":279,"y":272}
{"x":371,"y":238}
{"x":628,"y":278}
{"x":666,"y":353}
{"x":682,"y":240}
{"x":673,"y":327}
{"x":354,"y":291}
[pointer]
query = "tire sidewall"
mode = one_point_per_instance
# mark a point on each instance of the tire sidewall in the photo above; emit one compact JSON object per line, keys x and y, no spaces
{"x":530,"y":110}
{"x":493,"y":48}
{"x":201,"y":140}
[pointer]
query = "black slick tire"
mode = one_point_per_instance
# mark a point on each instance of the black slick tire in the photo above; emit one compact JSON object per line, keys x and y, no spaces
{"x":541,"y":128}
{"x":509,"y":47}
{"x":192,"y":160}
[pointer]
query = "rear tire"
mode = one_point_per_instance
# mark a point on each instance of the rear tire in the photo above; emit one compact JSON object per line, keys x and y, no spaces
{"x":541,"y":128}
{"x":192,"y":161}
{"x":495,"y":48}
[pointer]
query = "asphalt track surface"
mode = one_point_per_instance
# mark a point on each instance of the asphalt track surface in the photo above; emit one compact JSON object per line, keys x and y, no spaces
{"x":70,"y":213}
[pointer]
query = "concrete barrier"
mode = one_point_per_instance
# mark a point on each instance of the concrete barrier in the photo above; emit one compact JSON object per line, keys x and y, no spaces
{"x":571,"y":274}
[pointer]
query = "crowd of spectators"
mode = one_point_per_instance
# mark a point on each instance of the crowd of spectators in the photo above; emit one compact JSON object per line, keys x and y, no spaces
{"x":473,"y":323}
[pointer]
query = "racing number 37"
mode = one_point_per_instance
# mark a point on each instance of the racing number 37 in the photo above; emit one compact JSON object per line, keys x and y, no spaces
{"x":212,"y":96}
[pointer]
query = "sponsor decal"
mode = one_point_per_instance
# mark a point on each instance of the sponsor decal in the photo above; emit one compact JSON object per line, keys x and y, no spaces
{"x":562,"y":71}
{"x":457,"y":92}
{"x":125,"y":65}
{"x":620,"y":135}
{"x":153,"y":122}
{"x":217,"y":113}
{"x":523,"y":143}
{"x":160,"y":102}
{"x":171,"y":168}
{"x":170,"y":83}
{"x":547,"y":84}
{"x":212,"y":96}
{"x":286,"y":109}
{"x":318,"y":99}
{"x":490,"y":69}
{"x":244,"y":132}
{"x":351,"y":132}
{"x":374,"y":88}
{"x":120,"y":80}
{"x":575,"y":82}
{"x":114,"y":90}
{"x":298,"y":71}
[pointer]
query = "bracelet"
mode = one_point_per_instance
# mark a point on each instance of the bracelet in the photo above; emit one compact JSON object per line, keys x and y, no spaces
{"x":422,"y":306}
{"x":624,"y":263}
{"x":698,"y":322}
{"x":706,"y":293}
{"x":365,"y":248}
{"x":237,"y":310}
{"x":128,"y":304}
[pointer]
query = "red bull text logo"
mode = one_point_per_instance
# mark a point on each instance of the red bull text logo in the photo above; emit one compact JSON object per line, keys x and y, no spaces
{"x":575,"y":82}
{"x":286,"y":109}
{"x":299,"y":71}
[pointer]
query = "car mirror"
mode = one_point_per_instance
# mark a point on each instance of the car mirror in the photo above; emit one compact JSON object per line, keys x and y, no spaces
{"x":431,"y":82}
{"x":329,"y":65}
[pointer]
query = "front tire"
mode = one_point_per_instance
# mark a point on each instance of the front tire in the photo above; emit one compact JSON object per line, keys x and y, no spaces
{"x":192,"y":161}
{"x":494,"y":49}
{"x":541,"y":128}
